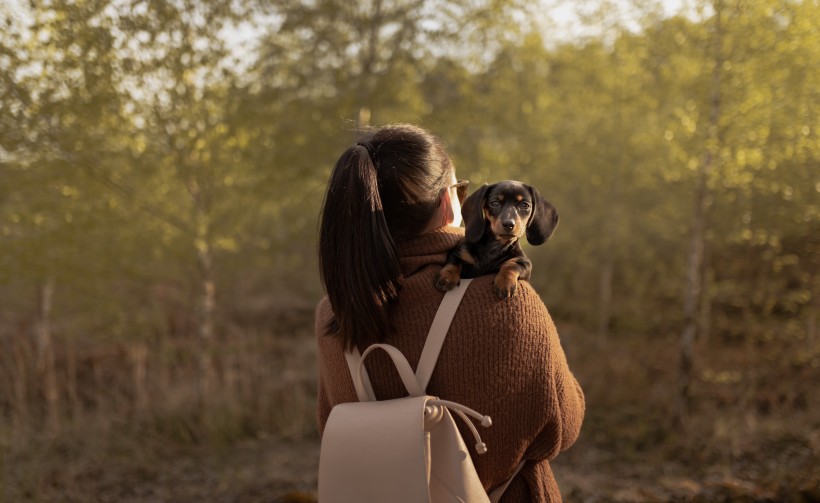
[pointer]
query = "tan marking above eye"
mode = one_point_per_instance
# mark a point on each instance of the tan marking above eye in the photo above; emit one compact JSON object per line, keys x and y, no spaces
{"x":500,"y":197}
{"x":519,"y":197}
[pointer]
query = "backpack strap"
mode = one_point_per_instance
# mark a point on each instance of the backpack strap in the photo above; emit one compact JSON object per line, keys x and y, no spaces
{"x":400,"y":362}
{"x":438,"y":331}
{"x":427,"y":362}
{"x":429,"y":354}
{"x":364,"y":389}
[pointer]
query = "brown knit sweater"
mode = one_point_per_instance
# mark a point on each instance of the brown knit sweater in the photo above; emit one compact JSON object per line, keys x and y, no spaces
{"x":501,"y":358}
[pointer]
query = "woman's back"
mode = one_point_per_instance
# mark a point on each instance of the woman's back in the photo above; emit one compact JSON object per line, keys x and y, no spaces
{"x":502,"y":358}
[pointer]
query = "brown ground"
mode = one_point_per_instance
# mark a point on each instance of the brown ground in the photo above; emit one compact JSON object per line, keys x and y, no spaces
{"x":268,"y":471}
{"x":754,"y":436}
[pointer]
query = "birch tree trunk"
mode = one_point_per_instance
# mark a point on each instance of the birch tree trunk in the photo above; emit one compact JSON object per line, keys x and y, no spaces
{"x":139,"y":369}
{"x":46,"y":367}
{"x":694,"y":270}
{"x":71,"y":383}
{"x":20,"y":388}
{"x":206,"y":322}
{"x":370,"y":32}
{"x":610,"y":236}
{"x":605,"y":296}
{"x":707,"y":280}
{"x":207,"y":303}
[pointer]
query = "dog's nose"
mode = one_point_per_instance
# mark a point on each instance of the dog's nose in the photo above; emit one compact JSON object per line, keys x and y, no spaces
{"x":508,"y":224}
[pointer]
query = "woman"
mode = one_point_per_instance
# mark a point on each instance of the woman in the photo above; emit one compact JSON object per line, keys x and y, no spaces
{"x":390,"y":215}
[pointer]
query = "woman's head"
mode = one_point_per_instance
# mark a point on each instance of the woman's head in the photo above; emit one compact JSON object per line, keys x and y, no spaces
{"x":389,"y":186}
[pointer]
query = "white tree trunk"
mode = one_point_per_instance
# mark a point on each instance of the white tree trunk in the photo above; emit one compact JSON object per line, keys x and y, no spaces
{"x":694,"y":270}
{"x":46,"y":367}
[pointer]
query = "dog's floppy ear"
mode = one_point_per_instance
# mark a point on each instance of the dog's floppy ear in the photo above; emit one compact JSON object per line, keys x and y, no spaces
{"x":473,"y":213}
{"x":544,"y":219}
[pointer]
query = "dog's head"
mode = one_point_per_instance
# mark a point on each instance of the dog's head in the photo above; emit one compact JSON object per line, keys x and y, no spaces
{"x":508,"y":210}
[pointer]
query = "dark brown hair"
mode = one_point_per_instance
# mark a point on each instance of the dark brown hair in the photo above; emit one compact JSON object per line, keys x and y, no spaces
{"x":382,"y":190}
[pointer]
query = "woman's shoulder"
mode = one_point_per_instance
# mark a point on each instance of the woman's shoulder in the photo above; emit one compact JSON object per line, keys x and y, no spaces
{"x":323,"y":306}
{"x":482,"y":291}
{"x":323,"y":315}
{"x":500,"y":334}
{"x":523,"y":309}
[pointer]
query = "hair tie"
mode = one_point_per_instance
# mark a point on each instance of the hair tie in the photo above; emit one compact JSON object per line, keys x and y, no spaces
{"x":370,"y":150}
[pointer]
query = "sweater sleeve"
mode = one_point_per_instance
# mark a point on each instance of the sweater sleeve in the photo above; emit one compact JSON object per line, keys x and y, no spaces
{"x":564,"y":402}
{"x":323,"y":404}
{"x":525,"y":385}
{"x":335,"y":384}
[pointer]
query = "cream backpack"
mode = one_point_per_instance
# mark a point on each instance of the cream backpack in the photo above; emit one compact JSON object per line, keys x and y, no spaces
{"x":406,"y":450}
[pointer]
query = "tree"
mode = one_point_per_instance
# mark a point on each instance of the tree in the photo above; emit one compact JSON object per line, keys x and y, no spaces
{"x":191,"y":148}
{"x":58,"y":88}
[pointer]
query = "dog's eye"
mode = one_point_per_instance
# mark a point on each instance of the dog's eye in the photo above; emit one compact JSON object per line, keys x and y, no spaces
{"x":494,"y":204}
{"x":524,"y":205}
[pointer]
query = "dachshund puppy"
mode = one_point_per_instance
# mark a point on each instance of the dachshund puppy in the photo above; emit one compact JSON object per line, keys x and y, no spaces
{"x":495,"y":217}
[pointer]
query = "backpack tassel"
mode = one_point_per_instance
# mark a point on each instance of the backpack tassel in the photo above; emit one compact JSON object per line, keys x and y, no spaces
{"x":463,"y":411}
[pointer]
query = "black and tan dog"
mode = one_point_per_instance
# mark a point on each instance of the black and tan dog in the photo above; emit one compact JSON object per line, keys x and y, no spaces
{"x":495,"y":217}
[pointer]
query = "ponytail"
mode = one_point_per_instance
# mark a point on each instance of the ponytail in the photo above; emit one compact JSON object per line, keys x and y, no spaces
{"x":358,"y":261}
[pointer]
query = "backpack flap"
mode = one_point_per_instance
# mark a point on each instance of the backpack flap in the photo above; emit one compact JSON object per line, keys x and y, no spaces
{"x":406,"y":450}
{"x":453,"y":477}
{"x":375,"y":451}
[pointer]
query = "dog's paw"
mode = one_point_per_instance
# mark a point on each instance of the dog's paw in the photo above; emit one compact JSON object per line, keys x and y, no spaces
{"x":505,"y":286}
{"x":448,"y":278}
{"x":445,"y":284}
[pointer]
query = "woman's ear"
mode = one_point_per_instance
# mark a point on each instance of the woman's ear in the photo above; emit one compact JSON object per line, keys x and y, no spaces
{"x":473,"y":212}
{"x":544,"y":219}
{"x":446,"y":209}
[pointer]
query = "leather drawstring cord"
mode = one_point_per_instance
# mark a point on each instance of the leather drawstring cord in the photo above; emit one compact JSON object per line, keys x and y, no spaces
{"x":462,"y":412}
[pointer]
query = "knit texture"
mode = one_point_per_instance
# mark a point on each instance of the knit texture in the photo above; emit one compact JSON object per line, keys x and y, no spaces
{"x":500,"y":357}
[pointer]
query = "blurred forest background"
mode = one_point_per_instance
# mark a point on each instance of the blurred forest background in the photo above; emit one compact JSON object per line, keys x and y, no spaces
{"x":163,"y":163}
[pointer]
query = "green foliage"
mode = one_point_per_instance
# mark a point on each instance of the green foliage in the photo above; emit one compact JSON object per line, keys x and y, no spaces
{"x":147,"y":164}
{"x":140,"y":156}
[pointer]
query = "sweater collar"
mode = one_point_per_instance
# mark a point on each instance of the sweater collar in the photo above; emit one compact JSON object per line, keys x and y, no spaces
{"x":429,"y":248}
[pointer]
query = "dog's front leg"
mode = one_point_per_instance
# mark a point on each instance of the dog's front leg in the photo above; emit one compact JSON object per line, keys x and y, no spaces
{"x":449,"y":276}
{"x":506,"y":281}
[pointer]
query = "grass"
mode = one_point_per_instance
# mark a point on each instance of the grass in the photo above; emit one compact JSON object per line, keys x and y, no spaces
{"x":753,"y":436}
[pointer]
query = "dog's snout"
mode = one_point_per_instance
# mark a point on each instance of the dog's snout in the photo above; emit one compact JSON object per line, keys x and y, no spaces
{"x":508,"y":224}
